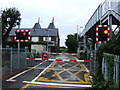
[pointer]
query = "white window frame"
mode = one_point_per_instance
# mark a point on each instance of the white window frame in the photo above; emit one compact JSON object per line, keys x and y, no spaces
{"x":46,"y":38}
{"x":35,"y":39}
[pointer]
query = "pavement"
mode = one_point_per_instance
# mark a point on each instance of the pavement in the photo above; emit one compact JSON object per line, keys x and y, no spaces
{"x":51,"y":75}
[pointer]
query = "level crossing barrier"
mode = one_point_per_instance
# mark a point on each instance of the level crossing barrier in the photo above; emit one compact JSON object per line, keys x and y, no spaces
{"x":66,"y":59}
{"x":64,"y":53}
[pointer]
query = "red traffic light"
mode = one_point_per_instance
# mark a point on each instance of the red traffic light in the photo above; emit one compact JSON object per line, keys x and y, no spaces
{"x":24,"y":33}
{"x":106,"y":31}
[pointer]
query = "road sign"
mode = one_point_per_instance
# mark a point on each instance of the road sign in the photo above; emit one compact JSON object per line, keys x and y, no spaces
{"x":51,"y":43}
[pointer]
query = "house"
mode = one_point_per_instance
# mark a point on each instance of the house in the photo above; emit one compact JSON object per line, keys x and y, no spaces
{"x":49,"y":35}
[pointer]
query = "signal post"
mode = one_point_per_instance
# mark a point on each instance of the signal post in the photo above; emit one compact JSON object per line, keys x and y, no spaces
{"x":21,"y":36}
{"x":103,"y":34}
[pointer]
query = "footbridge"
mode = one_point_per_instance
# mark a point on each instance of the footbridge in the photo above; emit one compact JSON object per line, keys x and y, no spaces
{"x":107,"y":13}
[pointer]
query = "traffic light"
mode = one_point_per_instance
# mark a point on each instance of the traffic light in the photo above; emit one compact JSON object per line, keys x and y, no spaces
{"x":102,"y":33}
{"x":22,"y":35}
{"x":106,"y":31}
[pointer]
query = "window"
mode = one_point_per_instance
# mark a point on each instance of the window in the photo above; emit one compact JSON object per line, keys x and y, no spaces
{"x":35,"y":39}
{"x":46,"y":38}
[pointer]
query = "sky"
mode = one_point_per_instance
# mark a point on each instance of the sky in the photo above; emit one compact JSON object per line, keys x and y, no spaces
{"x":70,"y":16}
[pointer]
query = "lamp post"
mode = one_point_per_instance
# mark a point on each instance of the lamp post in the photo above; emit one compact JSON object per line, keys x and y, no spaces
{"x":18,"y":23}
{"x":78,"y":41}
{"x":48,"y":40}
{"x":77,"y":32}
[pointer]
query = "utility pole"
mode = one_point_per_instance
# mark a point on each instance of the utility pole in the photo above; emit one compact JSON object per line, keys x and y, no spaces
{"x":78,"y":39}
{"x":0,"y":47}
{"x":48,"y":39}
{"x":0,"y":29}
{"x":18,"y":51}
{"x":77,"y":33}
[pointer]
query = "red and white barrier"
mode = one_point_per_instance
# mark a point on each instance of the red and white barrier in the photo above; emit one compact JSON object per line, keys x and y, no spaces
{"x":65,"y":53}
{"x":67,"y":60}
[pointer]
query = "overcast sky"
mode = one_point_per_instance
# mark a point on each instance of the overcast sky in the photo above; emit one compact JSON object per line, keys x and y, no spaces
{"x":67,"y":13}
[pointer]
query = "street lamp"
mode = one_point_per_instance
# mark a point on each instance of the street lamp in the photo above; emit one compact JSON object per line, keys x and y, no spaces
{"x":78,"y":40}
{"x":48,"y":39}
{"x":18,"y":23}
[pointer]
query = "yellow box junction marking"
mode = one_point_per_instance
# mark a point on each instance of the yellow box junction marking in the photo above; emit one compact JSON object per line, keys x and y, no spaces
{"x":61,"y":80}
{"x":86,"y":75}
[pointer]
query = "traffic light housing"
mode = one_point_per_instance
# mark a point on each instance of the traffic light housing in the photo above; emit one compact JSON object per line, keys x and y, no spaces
{"x":102,"y":33}
{"x":22,"y":35}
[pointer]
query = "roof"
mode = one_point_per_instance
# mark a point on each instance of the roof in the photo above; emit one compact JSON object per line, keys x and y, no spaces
{"x":37,"y":26}
{"x":38,"y":32}
{"x":51,"y":26}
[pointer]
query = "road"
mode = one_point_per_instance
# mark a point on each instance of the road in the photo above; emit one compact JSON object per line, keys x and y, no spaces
{"x":52,"y":75}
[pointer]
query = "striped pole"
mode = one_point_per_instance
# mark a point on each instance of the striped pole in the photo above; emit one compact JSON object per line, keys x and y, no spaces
{"x":66,"y":60}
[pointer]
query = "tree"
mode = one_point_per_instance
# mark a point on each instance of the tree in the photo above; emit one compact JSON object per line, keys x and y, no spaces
{"x":71,"y":43}
{"x":10,"y":18}
{"x":112,"y":46}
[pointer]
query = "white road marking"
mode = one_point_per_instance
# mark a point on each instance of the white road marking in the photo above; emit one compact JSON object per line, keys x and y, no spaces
{"x":91,"y":78}
{"x":88,"y":72}
{"x":41,"y":72}
{"x":11,"y":79}
{"x":59,"y":84}
{"x":86,"y":68}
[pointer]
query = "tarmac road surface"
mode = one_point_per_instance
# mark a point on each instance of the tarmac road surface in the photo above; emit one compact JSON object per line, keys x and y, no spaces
{"x":52,"y":75}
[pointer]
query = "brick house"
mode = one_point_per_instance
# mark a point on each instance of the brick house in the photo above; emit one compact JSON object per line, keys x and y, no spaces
{"x":38,"y":34}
